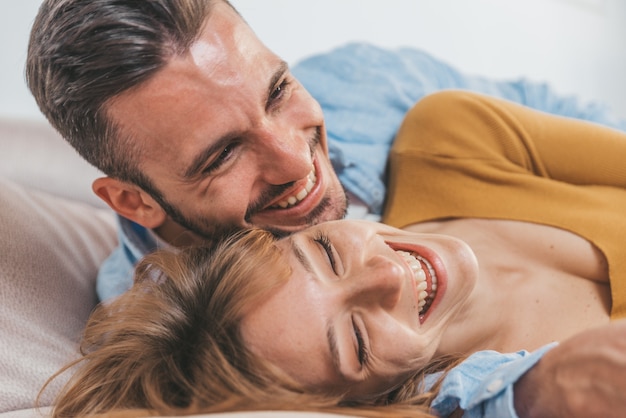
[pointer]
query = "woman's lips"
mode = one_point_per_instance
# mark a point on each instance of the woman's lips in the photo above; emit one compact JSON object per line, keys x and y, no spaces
{"x":425,"y":277}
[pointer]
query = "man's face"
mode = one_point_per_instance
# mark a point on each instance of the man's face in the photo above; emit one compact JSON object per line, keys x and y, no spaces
{"x":230,"y":138}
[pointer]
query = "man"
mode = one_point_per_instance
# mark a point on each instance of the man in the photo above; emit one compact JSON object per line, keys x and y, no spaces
{"x":200,"y":129}
{"x":188,"y":142}
{"x":192,"y":147}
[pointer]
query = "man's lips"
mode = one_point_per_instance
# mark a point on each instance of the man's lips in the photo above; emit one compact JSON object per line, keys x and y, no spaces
{"x":301,"y":198}
{"x":297,"y":193}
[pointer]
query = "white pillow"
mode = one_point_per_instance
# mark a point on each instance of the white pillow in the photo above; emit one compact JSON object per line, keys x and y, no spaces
{"x":33,"y":154}
{"x":50,"y":250}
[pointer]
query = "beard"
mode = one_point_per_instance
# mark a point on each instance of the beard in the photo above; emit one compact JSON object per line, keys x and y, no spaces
{"x":332,"y":207}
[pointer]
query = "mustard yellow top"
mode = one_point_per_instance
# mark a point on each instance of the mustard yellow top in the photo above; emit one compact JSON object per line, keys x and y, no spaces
{"x":489,"y":158}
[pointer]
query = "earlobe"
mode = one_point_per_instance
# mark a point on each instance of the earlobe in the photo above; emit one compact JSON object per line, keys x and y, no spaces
{"x":130,"y":201}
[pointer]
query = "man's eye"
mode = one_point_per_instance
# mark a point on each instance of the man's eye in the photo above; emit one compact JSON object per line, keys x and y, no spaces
{"x":326,"y":245}
{"x":279,"y":90}
{"x":221,"y":159}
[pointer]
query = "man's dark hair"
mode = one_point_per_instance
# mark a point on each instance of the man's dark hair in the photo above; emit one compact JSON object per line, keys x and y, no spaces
{"x":83,"y":53}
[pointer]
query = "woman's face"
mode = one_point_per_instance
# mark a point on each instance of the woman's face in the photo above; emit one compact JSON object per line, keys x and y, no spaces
{"x":366,"y":305}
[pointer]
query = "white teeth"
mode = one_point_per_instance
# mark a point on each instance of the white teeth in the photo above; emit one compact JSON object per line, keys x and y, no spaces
{"x":304,"y":192}
{"x":431,"y":270}
{"x":417,"y":264}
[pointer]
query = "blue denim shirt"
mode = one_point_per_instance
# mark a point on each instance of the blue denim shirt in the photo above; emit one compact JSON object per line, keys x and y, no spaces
{"x":482,"y":385}
{"x":365,"y":91}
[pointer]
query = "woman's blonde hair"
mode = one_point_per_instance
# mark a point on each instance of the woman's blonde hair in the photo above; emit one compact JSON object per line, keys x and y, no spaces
{"x":172,"y":344}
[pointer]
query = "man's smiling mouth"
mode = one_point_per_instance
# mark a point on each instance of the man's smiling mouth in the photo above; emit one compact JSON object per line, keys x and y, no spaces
{"x":299,"y":195}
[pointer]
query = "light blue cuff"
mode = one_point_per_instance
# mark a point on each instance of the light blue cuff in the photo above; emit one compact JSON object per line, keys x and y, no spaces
{"x":115,"y":275}
{"x":482,"y":385}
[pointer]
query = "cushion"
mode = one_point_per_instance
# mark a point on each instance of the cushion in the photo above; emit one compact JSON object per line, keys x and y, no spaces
{"x":50,"y":250}
{"x":35,"y":155}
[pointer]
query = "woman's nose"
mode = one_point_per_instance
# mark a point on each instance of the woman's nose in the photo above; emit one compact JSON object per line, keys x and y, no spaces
{"x":380,"y":282}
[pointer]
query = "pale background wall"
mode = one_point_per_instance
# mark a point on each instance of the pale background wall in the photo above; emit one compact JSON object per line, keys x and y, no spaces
{"x":575,"y":45}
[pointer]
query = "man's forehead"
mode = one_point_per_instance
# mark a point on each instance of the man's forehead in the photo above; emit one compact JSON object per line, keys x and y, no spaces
{"x":210,"y":92}
{"x":224,"y":37}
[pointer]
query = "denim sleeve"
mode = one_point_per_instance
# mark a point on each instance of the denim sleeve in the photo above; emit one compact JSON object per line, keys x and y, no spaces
{"x":115,"y":275}
{"x":482,"y":385}
{"x":365,"y":91}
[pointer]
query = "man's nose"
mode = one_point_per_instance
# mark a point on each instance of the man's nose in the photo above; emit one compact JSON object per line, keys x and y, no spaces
{"x":379,"y":283}
{"x":285,"y":155}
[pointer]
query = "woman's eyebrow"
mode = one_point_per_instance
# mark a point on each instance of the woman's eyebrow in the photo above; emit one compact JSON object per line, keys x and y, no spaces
{"x":300,"y":255}
{"x":331,"y":336}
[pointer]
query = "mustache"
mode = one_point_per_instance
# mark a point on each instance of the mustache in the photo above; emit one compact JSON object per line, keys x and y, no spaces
{"x":269,"y":194}
{"x":273,"y":191}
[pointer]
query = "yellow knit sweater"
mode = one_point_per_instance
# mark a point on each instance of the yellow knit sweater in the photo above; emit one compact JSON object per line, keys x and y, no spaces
{"x":489,"y":158}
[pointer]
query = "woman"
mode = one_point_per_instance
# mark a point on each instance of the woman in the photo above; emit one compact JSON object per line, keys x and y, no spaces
{"x":172,"y":344}
{"x":510,"y":219}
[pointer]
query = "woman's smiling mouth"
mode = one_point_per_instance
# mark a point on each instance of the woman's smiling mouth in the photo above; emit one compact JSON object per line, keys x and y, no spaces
{"x":425,"y":279}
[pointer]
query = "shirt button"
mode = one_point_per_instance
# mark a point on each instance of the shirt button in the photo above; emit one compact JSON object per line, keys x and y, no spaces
{"x":494,"y":386}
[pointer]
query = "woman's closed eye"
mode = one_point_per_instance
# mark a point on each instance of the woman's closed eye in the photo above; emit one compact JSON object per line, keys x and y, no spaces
{"x":324,"y":242}
{"x":361,"y":347}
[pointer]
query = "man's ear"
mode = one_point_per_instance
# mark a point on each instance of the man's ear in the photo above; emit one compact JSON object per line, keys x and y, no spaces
{"x":130,"y":201}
